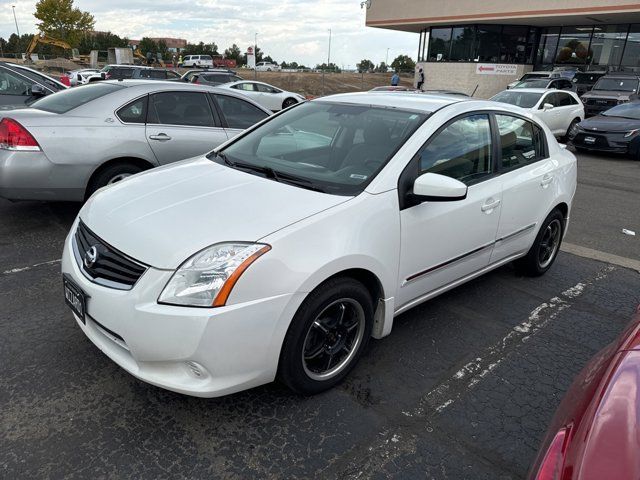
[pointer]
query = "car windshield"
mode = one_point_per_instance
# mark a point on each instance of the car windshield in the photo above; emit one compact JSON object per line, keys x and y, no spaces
{"x":66,"y":100}
{"x":534,"y":83}
{"x":617,"y":84}
{"x":626,"y":110}
{"x":521,"y":99}
{"x":332,"y":148}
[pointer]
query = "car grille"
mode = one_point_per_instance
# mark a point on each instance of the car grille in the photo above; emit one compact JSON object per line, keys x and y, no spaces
{"x":601,"y":102}
{"x":111,"y":268}
{"x":601,"y":142}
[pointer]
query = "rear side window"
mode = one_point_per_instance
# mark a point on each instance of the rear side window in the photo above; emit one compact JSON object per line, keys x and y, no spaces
{"x":180,"y":108}
{"x":134,"y":112}
{"x":521,"y":142}
{"x":238,"y":113}
{"x":13,"y":84}
{"x":461,"y":151}
{"x":71,"y":98}
{"x":157,"y":74}
{"x":217,"y":78}
{"x":247,"y":87}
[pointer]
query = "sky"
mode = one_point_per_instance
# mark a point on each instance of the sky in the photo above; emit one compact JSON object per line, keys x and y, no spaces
{"x":290,"y":30}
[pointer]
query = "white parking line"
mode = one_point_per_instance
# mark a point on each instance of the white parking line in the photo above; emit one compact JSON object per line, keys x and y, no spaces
{"x":35,"y":265}
{"x":474,"y":371}
{"x":585,"y":252}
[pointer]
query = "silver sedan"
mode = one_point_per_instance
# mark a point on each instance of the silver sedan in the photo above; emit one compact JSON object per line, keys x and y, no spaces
{"x":67,"y":145}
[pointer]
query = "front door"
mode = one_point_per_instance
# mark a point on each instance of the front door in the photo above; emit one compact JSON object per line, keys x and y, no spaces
{"x":442,"y":242}
{"x":182,"y":125}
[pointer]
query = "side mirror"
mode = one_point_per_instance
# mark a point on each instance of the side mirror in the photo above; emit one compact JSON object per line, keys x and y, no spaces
{"x":438,"y":188}
{"x":38,"y":90}
{"x":547,"y":106}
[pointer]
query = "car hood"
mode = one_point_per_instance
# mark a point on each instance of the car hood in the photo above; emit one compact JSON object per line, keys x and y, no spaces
{"x":167,"y":214}
{"x":604,"y":123}
{"x":607,"y":94}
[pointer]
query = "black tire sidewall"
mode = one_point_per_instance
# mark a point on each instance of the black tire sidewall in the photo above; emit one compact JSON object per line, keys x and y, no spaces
{"x":531,"y":263}
{"x":103,"y":178}
{"x":291,"y":370}
{"x":288,"y":102}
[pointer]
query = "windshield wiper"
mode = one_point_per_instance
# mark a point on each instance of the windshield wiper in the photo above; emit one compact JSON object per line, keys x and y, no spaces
{"x":272,"y":174}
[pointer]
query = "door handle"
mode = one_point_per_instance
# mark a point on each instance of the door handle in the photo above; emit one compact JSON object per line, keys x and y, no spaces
{"x":489,"y":205}
{"x":163,"y":137}
{"x":546,"y":180}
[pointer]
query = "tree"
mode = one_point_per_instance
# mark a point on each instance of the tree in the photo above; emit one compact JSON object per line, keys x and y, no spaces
{"x":332,"y":67}
{"x":100,"y":41}
{"x":234,"y":53}
{"x":365,"y":66}
{"x":163,"y":50}
{"x":60,"y":19}
{"x":403,"y":63}
{"x":382,"y":68}
{"x":148,"y":45}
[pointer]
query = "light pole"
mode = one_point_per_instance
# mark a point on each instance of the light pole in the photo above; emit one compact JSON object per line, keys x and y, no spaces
{"x":329,"y":54}
{"x":17,"y":29}
{"x":386,"y":60}
{"x":255,"y":55}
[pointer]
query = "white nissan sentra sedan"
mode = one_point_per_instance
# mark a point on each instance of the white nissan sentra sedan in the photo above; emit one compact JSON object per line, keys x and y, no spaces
{"x":282,"y":252}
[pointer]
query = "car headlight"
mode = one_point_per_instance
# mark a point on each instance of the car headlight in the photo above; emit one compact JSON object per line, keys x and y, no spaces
{"x":631,"y":133}
{"x":207,"y":278}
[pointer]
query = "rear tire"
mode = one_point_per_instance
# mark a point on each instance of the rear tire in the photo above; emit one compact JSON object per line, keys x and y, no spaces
{"x":327,"y":336}
{"x":112,"y":174}
{"x":545,"y":247}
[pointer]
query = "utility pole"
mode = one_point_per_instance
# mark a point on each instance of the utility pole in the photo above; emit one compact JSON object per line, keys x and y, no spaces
{"x":329,"y":55}
{"x":255,"y":56}
{"x":386,"y":60}
{"x":17,"y":29}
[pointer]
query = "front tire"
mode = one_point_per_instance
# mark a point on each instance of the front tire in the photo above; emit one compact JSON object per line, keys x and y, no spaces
{"x":571,"y":128}
{"x":545,"y":247}
{"x":288,"y":102}
{"x":327,"y":336}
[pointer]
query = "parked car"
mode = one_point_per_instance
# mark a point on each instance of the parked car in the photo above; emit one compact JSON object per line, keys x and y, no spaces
{"x":66,"y":146}
{"x":186,"y":77}
{"x":534,"y":76}
{"x":155,"y":74}
{"x":616,"y":130}
{"x":283,"y":251}
{"x":217,"y":77}
{"x":595,"y":433}
{"x":444,"y":92}
{"x":584,"y":81}
{"x":201,"y":61}
{"x":561,"y":111}
{"x":611,"y":90}
{"x":557,"y":83}
{"x":270,"y":97}
{"x":267,"y":67}
{"x":79,"y":77}
{"x":20,"y":85}
{"x":118,"y":72}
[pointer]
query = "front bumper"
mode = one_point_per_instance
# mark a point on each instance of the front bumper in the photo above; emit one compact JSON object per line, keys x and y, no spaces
{"x":205,"y":352}
{"x":608,"y":142}
{"x":32,"y":176}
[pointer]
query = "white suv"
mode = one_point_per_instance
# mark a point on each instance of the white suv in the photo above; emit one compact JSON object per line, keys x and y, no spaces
{"x":267,"y":67}
{"x":203,"y":61}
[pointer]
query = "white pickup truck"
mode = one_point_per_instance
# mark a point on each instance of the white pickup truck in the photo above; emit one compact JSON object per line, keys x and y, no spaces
{"x":267,"y":67}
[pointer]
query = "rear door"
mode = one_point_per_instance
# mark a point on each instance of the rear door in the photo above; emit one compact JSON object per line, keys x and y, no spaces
{"x":529,"y":184}
{"x":237,"y":114}
{"x":182,"y":125}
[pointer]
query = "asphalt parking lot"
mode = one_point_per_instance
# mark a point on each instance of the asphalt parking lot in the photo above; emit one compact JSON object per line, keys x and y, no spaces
{"x":463,"y":387}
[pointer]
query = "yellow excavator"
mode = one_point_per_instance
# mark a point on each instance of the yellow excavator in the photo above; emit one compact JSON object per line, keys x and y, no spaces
{"x":143,"y":59}
{"x":44,"y":39}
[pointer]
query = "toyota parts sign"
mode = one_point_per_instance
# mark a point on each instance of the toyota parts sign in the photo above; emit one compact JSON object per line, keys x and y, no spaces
{"x":496,"y":69}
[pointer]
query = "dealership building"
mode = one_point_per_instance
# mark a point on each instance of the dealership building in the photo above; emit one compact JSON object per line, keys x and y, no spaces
{"x":469,"y":45}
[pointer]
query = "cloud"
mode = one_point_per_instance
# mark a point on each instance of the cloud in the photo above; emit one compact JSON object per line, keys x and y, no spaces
{"x":291,"y":30}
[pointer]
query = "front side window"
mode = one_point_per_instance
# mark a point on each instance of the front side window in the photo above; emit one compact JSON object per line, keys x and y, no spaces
{"x":520,"y":142}
{"x":71,"y":98}
{"x":134,"y":112}
{"x":334,"y":148}
{"x":247,"y":87}
{"x":180,"y":108}
{"x":11,"y":84}
{"x":239,"y":113}
{"x":461,"y":151}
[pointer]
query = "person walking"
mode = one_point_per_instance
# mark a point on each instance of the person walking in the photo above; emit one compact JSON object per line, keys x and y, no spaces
{"x":395,"y":79}
{"x":420,"y":78}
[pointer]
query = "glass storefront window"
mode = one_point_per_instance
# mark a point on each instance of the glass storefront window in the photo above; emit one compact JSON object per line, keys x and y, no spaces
{"x":439,"y":44}
{"x":548,"y":45}
{"x":488,"y":43}
{"x":631,"y":57}
{"x":462,"y":43}
{"x":513,"y":44}
{"x":573,"y":46}
{"x":607,"y":44}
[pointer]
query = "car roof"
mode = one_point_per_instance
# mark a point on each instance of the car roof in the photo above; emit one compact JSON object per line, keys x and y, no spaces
{"x":402,"y":100}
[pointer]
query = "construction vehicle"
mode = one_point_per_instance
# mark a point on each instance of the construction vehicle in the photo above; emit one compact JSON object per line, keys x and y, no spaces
{"x":154,"y":60}
{"x":44,"y":39}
